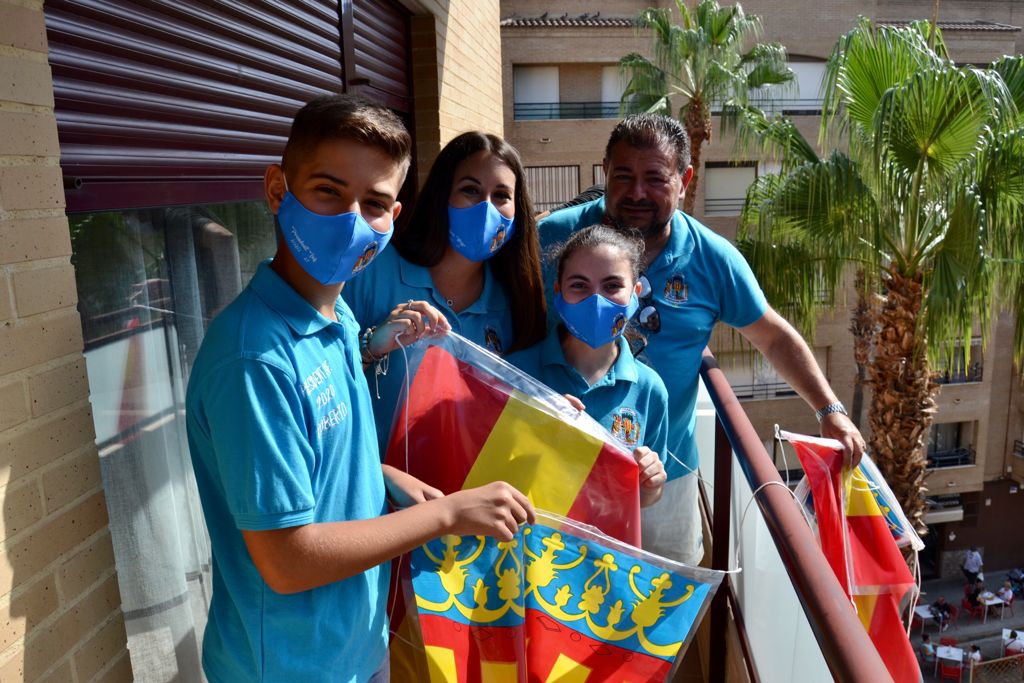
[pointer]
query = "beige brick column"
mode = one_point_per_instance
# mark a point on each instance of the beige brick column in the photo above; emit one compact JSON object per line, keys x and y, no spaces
{"x":60,"y":617}
{"x":456,"y":71}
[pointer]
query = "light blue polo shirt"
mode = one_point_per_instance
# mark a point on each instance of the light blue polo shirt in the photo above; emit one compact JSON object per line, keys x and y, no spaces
{"x":698,"y":279}
{"x":630,"y":401}
{"x":391,"y":280}
{"x":281,"y":435}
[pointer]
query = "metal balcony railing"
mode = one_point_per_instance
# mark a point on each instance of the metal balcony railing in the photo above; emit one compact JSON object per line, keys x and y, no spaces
{"x":765,"y":390}
{"x":961,"y":375}
{"x":723,"y":206}
{"x":790,"y":106}
{"x":795,"y":621}
{"x":953,"y":457}
{"x":527,"y":111}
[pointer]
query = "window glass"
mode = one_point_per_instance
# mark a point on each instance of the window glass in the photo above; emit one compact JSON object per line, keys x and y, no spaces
{"x":149,"y":282}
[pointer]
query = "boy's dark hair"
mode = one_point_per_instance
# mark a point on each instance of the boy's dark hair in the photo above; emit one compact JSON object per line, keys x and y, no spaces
{"x":424,"y":238}
{"x":346,"y":117}
{"x":652,"y":131}
{"x":627,"y":240}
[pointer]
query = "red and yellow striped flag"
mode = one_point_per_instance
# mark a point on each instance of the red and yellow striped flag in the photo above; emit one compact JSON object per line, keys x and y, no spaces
{"x":467,"y":428}
{"x":858,"y":528}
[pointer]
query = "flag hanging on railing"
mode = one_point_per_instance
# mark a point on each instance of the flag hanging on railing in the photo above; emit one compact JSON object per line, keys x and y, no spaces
{"x":470,"y":418}
{"x":560,"y":602}
{"x":861,"y":527}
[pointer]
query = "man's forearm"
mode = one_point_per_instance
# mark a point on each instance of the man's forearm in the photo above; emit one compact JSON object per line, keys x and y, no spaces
{"x":789,"y":354}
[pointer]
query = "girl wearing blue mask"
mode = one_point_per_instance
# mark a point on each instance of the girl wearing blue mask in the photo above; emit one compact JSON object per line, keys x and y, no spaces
{"x":586,"y":356}
{"x":467,"y":260}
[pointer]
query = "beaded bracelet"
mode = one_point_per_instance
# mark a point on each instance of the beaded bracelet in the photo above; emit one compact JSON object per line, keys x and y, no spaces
{"x":367,"y":355}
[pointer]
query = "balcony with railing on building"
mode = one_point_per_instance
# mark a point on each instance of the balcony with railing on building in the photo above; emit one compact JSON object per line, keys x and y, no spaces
{"x":950,"y":444}
{"x":753,"y":379}
{"x":762,"y":391}
{"x":962,"y":368}
{"x":532,"y":111}
{"x":789,"y":106}
{"x":566,"y":91}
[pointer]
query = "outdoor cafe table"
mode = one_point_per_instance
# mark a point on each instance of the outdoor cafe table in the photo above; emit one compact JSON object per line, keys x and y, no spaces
{"x":949,"y":653}
{"x":924,"y":613}
{"x":991,"y":600}
{"x":1006,"y":637}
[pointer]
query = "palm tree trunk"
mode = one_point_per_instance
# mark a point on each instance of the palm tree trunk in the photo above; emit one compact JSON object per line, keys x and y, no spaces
{"x":697,"y":121}
{"x":862,"y":326}
{"x":903,"y":394}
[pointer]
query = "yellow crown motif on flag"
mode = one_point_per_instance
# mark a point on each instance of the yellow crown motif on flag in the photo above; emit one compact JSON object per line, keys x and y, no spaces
{"x":612,"y":623}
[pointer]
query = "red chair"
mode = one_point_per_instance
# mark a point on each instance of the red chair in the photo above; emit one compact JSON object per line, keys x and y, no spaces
{"x":1009,"y":603}
{"x":971,"y":610}
{"x":947,"y":640}
{"x":954,"y":612}
{"x":950,"y":672}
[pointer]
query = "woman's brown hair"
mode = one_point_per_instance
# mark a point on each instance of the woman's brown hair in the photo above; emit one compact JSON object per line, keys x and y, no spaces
{"x":424,"y":238}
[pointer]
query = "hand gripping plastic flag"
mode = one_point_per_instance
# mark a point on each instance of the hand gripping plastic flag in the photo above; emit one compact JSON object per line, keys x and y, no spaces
{"x":861,"y":528}
{"x":560,"y":602}
{"x":469,"y":419}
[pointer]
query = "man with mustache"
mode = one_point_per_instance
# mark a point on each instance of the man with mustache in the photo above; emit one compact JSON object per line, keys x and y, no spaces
{"x":692,"y":279}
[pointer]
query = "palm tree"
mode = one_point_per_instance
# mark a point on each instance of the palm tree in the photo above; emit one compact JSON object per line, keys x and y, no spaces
{"x":704,"y":60}
{"x":927,"y":203}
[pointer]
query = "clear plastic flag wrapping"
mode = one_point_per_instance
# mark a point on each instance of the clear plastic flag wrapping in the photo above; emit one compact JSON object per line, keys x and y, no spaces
{"x":473,"y":609}
{"x":471,"y":418}
{"x":861,"y":528}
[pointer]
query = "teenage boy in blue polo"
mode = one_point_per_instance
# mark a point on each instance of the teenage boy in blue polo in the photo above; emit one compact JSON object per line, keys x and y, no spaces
{"x":281,"y":430}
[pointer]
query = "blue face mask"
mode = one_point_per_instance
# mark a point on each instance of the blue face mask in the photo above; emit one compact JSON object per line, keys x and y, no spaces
{"x":330,"y":248}
{"x":479,"y":231}
{"x":596,"y":320}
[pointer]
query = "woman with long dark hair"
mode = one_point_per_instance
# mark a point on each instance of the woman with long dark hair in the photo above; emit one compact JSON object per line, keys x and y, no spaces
{"x":468,"y":260}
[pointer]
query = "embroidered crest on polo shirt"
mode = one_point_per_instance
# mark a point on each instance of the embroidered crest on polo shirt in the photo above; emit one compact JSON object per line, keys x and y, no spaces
{"x":676,"y":291}
{"x":491,"y":340}
{"x":626,"y":426}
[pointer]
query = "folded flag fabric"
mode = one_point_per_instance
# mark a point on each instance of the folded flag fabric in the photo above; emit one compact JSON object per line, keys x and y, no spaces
{"x":560,"y":602}
{"x":468,"y":419}
{"x":471,"y":419}
{"x":861,"y":528}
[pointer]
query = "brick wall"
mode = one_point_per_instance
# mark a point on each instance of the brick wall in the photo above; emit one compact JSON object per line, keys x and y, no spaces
{"x":60,"y":616}
{"x":456,"y":54}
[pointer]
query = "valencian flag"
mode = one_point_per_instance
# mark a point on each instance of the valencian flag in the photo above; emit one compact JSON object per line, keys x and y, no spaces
{"x":861,"y":528}
{"x":560,"y":602}
{"x":470,"y":419}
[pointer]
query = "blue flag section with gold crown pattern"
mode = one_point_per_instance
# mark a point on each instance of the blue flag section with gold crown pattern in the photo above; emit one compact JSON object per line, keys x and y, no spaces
{"x":560,"y":602}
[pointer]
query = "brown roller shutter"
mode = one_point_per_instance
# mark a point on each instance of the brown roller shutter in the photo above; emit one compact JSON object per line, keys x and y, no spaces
{"x":376,"y":41}
{"x":171,"y":102}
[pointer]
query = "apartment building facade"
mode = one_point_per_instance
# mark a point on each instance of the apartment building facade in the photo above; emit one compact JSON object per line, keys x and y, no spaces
{"x":561,"y":93}
{"x":134,"y":138}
